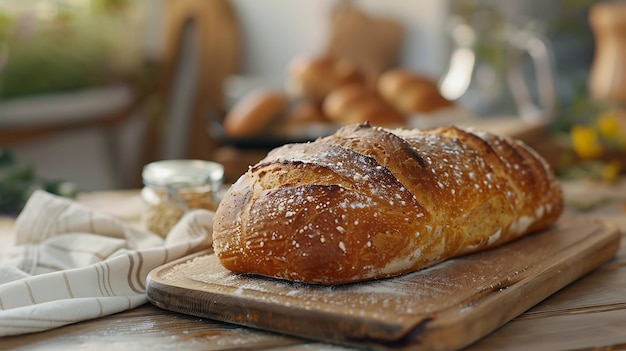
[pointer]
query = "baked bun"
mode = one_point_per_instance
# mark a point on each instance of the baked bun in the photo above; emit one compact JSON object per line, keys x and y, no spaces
{"x":368,"y":203}
{"x":305,"y":111}
{"x":410,"y":93}
{"x":356,"y":103}
{"x":254,"y":112}
{"x":313,"y":78}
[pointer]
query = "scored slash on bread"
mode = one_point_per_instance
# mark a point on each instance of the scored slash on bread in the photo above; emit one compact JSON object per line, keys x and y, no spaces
{"x":369,"y":203}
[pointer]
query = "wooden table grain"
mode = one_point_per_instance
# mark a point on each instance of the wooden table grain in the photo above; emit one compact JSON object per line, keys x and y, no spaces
{"x":589,"y":314}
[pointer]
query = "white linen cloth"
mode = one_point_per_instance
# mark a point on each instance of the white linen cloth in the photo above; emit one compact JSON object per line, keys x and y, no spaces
{"x":71,"y":264}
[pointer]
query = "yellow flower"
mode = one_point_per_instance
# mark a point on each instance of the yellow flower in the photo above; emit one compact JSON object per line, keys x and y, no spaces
{"x":608,"y":125}
{"x":611,"y":170}
{"x":585,"y":142}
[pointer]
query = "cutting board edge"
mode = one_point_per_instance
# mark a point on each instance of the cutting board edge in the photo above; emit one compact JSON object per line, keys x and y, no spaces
{"x":214,"y":304}
{"x":601,"y":252}
{"x":422,"y":323}
{"x":156,"y":294}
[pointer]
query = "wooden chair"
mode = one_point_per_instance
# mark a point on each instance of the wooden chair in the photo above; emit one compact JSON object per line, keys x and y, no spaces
{"x":200,"y":50}
{"x":202,"y":44}
{"x":42,"y":119}
{"x":26,"y":119}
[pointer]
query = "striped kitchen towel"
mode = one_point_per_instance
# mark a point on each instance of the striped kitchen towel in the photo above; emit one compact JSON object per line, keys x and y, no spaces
{"x":70,"y":263}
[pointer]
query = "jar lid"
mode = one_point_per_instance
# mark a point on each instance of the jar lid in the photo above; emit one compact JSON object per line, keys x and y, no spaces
{"x":182,"y":173}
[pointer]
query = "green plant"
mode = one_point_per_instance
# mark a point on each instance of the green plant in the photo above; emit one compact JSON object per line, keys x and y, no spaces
{"x":18,"y":183}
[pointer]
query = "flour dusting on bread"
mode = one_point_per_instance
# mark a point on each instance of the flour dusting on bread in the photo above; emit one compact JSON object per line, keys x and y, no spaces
{"x":369,"y":203}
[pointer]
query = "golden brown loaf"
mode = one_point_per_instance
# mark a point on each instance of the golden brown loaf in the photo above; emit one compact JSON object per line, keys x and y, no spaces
{"x":313,"y":78}
{"x":305,"y":111}
{"x":368,"y":203}
{"x":254,"y":112}
{"x":410,"y":93}
{"x":357,"y":103}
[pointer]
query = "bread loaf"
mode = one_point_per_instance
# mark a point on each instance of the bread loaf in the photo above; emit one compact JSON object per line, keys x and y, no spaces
{"x":305,"y":111}
{"x":357,"y":103}
{"x":254,"y":112}
{"x":368,"y":203}
{"x":410,"y":93}
{"x":313,"y":78}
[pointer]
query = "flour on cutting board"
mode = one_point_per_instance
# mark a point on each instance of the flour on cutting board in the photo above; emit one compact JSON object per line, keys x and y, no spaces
{"x":463,"y":298}
{"x":399,"y":296}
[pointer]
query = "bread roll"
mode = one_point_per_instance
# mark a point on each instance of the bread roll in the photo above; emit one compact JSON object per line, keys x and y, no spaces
{"x":410,"y":93}
{"x":356,"y":103}
{"x":305,"y":111}
{"x":313,"y":78}
{"x":369,"y":203}
{"x":254,"y":112}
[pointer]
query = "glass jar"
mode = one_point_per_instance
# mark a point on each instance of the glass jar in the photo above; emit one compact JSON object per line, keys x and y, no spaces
{"x":173,"y":187}
{"x":490,"y":65}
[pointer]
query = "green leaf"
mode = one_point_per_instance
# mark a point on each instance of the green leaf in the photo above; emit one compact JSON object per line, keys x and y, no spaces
{"x":19,"y":175}
{"x":6,"y":158}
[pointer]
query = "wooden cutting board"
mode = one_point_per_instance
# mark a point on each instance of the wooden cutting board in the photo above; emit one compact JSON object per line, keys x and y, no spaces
{"x":444,"y":307}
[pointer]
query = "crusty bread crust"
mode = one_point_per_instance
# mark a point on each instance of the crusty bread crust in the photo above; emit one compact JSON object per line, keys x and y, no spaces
{"x":314,"y":78}
{"x":369,"y":203}
{"x":410,"y":93}
{"x":357,"y":103}
{"x":254,"y":112}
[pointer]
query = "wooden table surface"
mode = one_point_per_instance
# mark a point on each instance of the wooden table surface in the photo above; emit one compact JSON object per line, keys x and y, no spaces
{"x":589,"y":314}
